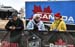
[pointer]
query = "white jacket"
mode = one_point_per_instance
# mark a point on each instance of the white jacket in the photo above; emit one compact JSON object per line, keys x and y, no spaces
{"x":40,"y":25}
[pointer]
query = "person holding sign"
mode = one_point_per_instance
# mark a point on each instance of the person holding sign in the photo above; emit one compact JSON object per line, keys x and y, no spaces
{"x":58,"y":24}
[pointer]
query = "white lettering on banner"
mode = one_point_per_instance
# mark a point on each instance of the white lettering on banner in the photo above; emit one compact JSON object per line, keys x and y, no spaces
{"x":52,"y":45}
{"x":51,"y":17}
{"x":45,"y":16}
{"x":68,"y":19}
{"x":65,"y":18}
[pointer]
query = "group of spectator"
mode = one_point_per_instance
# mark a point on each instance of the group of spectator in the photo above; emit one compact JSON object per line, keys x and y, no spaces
{"x":37,"y":24}
{"x":15,"y":26}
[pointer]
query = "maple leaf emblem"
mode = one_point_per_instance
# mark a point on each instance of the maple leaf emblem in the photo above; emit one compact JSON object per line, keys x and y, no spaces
{"x":60,"y":42}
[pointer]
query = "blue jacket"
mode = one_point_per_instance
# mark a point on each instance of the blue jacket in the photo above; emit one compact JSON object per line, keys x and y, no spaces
{"x":40,"y":25}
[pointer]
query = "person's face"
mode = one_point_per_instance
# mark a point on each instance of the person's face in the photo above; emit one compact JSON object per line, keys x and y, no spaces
{"x":14,"y":18}
{"x":57,"y":18}
{"x":37,"y":19}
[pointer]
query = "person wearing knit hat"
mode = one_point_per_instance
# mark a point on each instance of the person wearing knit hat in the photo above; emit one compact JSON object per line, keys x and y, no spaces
{"x":58,"y":24}
{"x":15,"y":26}
{"x":36,"y":24}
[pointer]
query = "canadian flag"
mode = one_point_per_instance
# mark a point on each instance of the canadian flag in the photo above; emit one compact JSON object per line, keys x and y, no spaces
{"x":44,"y":14}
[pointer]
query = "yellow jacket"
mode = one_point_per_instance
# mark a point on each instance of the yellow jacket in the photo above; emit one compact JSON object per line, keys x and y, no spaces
{"x":60,"y":27}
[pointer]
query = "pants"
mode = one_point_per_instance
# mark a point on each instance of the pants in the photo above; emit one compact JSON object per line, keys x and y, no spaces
{"x":16,"y":41}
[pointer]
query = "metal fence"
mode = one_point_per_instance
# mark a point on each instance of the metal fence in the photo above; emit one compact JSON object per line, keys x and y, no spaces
{"x":41,"y":38}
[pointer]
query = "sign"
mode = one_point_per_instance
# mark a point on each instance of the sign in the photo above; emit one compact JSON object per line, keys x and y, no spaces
{"x":46,"y":10}
{"x":60,"y":43}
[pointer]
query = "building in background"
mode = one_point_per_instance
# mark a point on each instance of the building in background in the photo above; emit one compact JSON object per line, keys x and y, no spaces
{"x":21,"y":11}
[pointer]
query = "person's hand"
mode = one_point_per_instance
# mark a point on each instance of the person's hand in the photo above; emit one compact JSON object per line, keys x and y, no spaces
{"x":13,"y":27}
{"x":10,"y":27}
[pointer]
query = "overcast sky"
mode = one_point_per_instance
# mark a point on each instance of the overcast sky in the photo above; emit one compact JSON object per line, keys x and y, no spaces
{"x":48,"y":0}
{"x":16,"y":4}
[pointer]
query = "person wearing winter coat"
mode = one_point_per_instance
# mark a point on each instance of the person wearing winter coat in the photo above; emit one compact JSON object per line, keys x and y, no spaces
{"x":15,"y":26}
{"x":58,"y":24}
{"x":36,"y":24}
